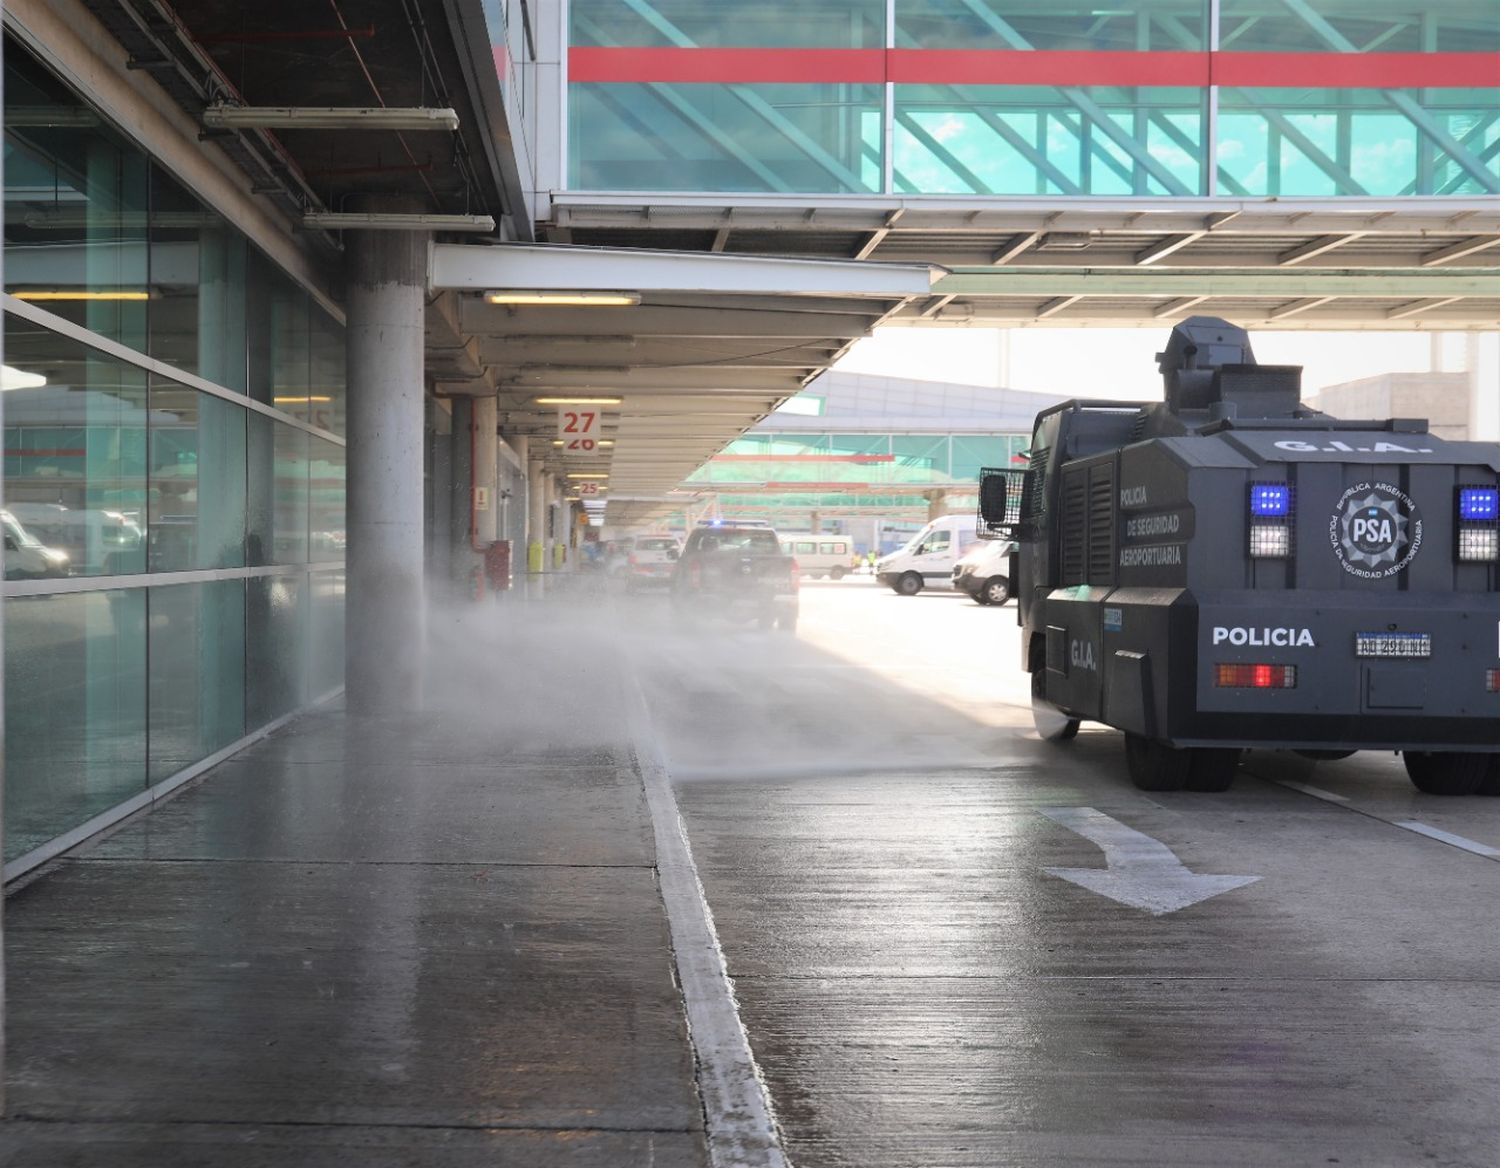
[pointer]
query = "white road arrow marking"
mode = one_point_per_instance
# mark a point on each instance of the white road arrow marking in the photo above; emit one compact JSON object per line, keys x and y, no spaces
{"x":1142,"y":872}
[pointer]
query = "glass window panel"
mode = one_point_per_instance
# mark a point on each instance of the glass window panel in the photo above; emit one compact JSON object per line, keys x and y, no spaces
{"x":1036,"y":139}
{"x":275,"y":647}
{"x":326,"y":669}
{"x":198,"y":280}
{"x":75,"y":710}
{"x":1389,"y":26}
{"x":278,"y":500}
{"x":197,"y":488}
{"x":326,"y":500}
{"x":845,"y":24}
{"x":1158,"y":25}
{"x":972,"y":453}
{"x":278,"y":327}
{"x":919,"y":459}
{"x":197,"y":666}
{"x":325,"y":400}
{"x":812,"y":138}
{"x":75,"y":451}
{"x":1356,"y":141}
{"x":75,"y":207}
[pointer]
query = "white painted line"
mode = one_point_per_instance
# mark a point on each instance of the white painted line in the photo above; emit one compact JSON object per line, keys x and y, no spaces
{"x":741,"y":1130}
{"x":1315,"y":792}
{"x":1447,"y":837}
{"x":1140,"y":871}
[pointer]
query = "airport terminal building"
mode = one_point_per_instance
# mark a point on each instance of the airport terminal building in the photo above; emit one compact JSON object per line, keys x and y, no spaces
{"x":294,"y":293}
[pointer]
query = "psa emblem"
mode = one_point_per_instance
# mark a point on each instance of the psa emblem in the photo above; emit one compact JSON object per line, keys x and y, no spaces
{"x":1375,"y":530}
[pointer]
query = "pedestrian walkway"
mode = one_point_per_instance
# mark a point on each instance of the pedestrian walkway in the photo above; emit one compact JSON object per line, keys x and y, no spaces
{"x":436,"y":940}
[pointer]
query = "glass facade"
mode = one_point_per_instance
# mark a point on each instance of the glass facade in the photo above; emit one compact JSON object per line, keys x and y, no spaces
{"x":865,"y":460}
{"x":999,"y":97}
{"x":174,"y":538}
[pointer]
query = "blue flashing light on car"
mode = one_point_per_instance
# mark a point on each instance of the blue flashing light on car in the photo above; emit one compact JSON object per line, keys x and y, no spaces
{"x":1270,"y":499}
{"x":1479,"y":504}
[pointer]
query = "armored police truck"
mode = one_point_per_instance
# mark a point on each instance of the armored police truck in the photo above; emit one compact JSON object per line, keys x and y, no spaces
{"x":1231,"y":569}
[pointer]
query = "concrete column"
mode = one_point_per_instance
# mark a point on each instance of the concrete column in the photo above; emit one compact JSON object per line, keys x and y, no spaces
{"x":937,"y":505}
{"x":386,"y":272}
{"x":1484,"y":386}
{"x":486,"y":470}
{"x":815,"y":523}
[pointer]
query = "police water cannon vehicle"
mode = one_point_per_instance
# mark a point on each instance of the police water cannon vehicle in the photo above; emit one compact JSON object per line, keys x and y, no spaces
{"x":1232,"y":569}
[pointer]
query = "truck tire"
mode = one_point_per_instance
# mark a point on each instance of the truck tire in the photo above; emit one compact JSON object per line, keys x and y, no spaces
{"x":909,"y":584}
{"x":836,"y":573}
{"x":1052,"y":725}
{"x":995,"y":590}
{"x":1446,"y":772}
{"x":1155,"y":766}
{"x":1212,"y":769}
{"x":1491,"y":783}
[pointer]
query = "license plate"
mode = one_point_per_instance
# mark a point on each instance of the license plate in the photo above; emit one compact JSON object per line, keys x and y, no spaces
{"x":1393,"y":644}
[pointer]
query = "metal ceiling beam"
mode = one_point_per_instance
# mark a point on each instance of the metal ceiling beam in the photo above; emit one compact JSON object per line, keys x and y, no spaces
{"x":1416,"y":307}
{"x":1167,"y":245}
{"x":650,"y":320}
{"x":1457,"y":251}
{"x":1160,"y":282}
{"x":1315,"y":247}
{"x":1053,"y":307}
{"x":1298,"y":306}
{"x":1181,"y":304}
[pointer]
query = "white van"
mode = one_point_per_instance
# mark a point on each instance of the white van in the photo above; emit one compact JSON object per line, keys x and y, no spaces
{"x":819,"y":554}
{"x":927,"y":559}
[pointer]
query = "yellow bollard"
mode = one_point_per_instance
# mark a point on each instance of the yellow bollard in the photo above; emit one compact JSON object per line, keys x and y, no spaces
{"x":534,"y":555}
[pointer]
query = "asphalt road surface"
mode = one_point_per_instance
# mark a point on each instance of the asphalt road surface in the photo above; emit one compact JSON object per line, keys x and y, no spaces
{"x":954,"y":944}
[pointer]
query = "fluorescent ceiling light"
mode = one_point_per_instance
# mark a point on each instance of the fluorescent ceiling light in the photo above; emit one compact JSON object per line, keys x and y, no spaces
{"x":601,"y":442}
{"x":395,"y":221}
{"x":13,"y":378}
{"x":63,"y":294}
{"x":577,"y":401}
{"x":580,"y":298}
{"x":299,"y":401}
{"x":283,"y":117}
{"x":588,"y":476}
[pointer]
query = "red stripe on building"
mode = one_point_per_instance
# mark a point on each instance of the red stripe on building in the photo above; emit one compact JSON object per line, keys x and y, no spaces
{"x":1357,"y":70}
{"x":717,"y":66}
{"x":1011,"y":67}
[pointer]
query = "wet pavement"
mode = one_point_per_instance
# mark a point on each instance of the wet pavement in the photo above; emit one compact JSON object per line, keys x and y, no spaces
{"x":443,"y":942}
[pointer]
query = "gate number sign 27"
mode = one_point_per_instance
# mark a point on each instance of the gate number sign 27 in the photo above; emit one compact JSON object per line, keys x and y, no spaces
{"x":578,"y":429}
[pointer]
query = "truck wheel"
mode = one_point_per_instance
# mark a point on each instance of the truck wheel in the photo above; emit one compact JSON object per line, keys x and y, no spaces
{"x":837,"y":573}
{"x":909,"y":584}
{"x":1052,"y":725}
{"x":1212,"y":769}
{"x":996,"y":590}
{"x":1155,"y":766}
{"x":1446,"y":772}
{"x":1491,"y":783}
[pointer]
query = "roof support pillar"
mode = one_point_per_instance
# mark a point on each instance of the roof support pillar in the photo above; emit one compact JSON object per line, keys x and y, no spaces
{"x":386,"y":276}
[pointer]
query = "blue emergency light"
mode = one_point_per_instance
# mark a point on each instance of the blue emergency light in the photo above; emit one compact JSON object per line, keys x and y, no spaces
{"x":1479,"y":504}
{"x":1270,"y":499}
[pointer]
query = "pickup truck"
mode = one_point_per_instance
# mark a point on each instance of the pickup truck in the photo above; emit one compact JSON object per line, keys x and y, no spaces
{"x":738,"y":573}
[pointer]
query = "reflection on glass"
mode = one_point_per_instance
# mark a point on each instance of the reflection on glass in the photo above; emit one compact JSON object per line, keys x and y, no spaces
{"x":325,"y":501}
{"x":1038,"y":139}
{"x":276,"y":647}
{"x":75,"y":207}
{"x":326,"y":668}
{"x":1320,"y":142}
{"x":197,"y":664}
{"x":726,"y":137}
{"x":197,"y":496}
{"x":1387,"y":26}
{"x":1159,"y":25}
{"x":75,"y":451}
{"x":75,"y":710}
{"x":834,"y":24}
{"x":278,"y":500}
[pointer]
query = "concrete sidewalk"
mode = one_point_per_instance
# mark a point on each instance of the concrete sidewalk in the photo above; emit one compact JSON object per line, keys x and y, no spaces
{"x":369,"y":943}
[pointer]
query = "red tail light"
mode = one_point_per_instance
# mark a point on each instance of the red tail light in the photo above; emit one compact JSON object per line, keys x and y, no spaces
{"x":1492,"y":680}
{"x":796,"y":576}
{"x":1255,"y":676}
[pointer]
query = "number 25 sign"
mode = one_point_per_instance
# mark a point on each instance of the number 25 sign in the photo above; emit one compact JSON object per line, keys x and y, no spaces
{"x":578,"y":429}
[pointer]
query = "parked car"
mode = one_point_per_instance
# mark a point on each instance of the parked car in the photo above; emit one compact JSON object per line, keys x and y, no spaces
{"x":650,"y":561}
{"x":984,"y":571}
{"x":737,"y":573}
{"x":26,"y":557}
